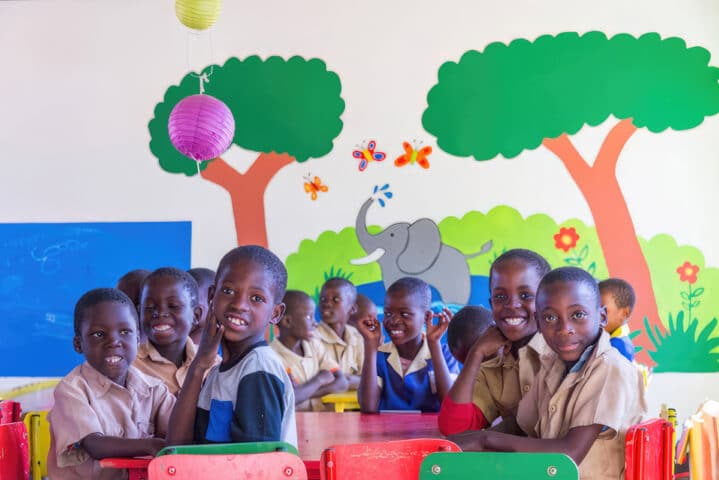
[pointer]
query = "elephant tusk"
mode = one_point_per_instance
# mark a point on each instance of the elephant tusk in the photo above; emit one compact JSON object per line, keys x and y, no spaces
{"x":372,"y":257}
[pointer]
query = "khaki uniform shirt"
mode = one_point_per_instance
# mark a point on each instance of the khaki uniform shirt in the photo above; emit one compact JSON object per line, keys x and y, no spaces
{"x":88,"y":402}
{"x":348,"y":352}
{"x":303,"y":368}
{"x":150,"y":362}
{"x":504,"y":380}
{"x":607,"y":390}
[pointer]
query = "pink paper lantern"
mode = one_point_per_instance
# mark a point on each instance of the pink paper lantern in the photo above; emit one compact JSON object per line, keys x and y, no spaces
{"x":201,"y":127}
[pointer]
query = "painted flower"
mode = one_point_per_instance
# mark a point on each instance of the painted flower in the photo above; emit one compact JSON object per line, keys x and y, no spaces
{"x":566,"y":239}
{"x":688,"y":273}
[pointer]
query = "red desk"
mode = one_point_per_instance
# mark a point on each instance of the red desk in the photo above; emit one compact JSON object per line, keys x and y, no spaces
{"x":319,"y":430}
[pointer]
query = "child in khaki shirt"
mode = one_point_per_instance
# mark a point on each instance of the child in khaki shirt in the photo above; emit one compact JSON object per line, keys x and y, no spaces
{"x":338,"y":301}
{"x":585,"y":395}
{"x":168,"y":309}
{"x":499,"y":367}
{"x":313,"y":371}
{"x":104,"y":407}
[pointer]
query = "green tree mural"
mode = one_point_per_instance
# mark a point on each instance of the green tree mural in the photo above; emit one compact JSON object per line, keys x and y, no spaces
{"x":520,"y":96}
{"x":286,"y":110}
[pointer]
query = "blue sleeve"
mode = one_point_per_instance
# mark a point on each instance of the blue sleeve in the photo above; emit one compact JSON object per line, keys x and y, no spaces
{"x":452,"y":363}
{"x":624,"y":346}
{"x":259,"y":409}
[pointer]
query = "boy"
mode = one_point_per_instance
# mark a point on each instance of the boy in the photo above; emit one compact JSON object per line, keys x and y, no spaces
{"x":585,"y":395}
{"x":491,"y":384}
{"x":618,"y":298}
{"x":312,"y":370}
{"x":411,"y":372}
{"x":465,"y":328}
{"x":168,"y":309}
{"x":131,"y":285}
{"x":204,"y":278}
{"x":365,"y":308}
{"x":338,"y":301}
{"x":105,"y":407}
{"x":249,"y":396}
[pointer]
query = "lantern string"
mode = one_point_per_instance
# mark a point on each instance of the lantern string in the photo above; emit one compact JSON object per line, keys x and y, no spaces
{"x":202,"y":76}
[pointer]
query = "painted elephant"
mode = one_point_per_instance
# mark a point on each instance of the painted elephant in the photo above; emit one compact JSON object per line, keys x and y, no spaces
{"x":416,"y":250}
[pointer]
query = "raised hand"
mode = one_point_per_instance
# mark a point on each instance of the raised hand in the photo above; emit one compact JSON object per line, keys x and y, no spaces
{"x":370,"y":329}
{"x":490,"y":343}
{"x":435,"y":331}
{"x":210,"y":342}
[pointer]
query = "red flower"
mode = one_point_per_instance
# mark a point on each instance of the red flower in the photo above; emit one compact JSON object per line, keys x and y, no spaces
{"x":688,"y":273}
{"x":566,"y":239}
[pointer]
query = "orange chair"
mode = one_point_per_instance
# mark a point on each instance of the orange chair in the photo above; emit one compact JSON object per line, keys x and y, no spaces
{"x":648,"y":451}
{"x":397,"y":460}
{"x":14,"y":451}
{"x":257,"y":466}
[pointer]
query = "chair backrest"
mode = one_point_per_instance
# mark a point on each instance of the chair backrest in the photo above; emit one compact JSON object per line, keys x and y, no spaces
{"x":396,"y":459}
{"x":648,"y":451}
{"x":257,"y":466}
{"x":14,"y":462}
{"x":229,"y":448}
{"x":505,"y":466}
{"x":38,"y":430}
{"x":9,"y":411}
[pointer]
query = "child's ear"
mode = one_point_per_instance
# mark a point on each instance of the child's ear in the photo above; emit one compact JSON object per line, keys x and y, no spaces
{"x":624,"y":312}
{"x":197,"y":314}
{"x":353,"y":309}
{"x":602,"y":317}
{"x":211,"y":293}
{"x":277,"y":312}
{"x":76,"y":344}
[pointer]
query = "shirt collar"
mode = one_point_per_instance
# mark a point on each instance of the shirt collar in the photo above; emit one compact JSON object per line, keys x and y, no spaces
{"x":622,"y":331}
{"x":306,"y":348}
{"x":418,"y":362}
{"x":329,"y":335}
{"x":100,"y":384}
{"x":148,"y":350}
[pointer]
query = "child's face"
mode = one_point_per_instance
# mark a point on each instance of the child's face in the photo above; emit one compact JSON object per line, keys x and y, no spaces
{"x":243,"y":301}
{"x":166,"y":311}
{"x":108,"y":339}
{"x":302,"y":320}
{"x":616,"y":317}
{"x":569,"y":318}
{"x":513,"y":285}
{"x":403,"y":317}
{"x":336,"y":304}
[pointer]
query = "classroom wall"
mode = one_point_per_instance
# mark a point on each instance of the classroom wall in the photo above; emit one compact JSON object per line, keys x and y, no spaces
{"x":82,"y":82}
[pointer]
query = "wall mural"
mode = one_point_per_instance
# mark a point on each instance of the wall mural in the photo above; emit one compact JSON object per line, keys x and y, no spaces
{"x":503,"y":100}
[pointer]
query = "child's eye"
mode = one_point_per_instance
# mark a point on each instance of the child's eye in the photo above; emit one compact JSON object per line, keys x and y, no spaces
{"x":174,"y":307}
{"x":499,"y":297}
{"x":336,"y":299}
{"x":405,"y":314}
{"x":579,"y":315}
{"x":388,"y":314}
{"x":526,"y":296}
{"x":549,"y":318}
{"x":227,"y":291}
{"x":257,"y":298}
{"x":97,"y":334}
{"x":125,"y":331}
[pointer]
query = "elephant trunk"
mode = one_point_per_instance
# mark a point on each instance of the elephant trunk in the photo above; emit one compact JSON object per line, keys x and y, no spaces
{"x":367,"y":240}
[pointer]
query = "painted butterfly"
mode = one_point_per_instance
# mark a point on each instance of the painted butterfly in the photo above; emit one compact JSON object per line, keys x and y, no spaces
{"x":367,"y":154}
{"x":314,"y":185}
{"x":412,"y":154}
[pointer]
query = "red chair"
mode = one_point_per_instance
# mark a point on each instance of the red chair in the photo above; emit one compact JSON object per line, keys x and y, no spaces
{"x":9,"y":411}
{"x":648,"y":451}
{"x":397,"y":460}
{"x":136,"y":467}
{"x":14,"y":451}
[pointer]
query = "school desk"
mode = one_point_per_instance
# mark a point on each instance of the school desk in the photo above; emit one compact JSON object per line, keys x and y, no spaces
{"x":319,"y":430}
{"x":342,"y":400}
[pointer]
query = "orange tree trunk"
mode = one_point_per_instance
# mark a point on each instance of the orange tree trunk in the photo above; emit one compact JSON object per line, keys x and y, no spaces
{"x":247,"y":193}
{"x":622,"y":253}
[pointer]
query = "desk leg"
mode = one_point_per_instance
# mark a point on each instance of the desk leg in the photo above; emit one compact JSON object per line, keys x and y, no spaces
{"x":339,"y":407}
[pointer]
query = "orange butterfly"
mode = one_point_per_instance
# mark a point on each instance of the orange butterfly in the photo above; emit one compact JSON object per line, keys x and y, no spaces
{"x":313,"y":186}
{"x":413,"y":155}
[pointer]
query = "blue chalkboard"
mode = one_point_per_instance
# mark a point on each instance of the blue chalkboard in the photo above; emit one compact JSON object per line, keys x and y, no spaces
{"x":46,"y":267}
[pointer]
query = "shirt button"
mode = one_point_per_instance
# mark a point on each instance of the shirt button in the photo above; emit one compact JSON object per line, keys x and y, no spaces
{"x":552,"y":408}
{"x":525,"y":388}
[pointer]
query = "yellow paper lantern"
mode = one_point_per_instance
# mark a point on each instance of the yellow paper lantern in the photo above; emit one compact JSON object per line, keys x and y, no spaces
{"x":198,"y":14}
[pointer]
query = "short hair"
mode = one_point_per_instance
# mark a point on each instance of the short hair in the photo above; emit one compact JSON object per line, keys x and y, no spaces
{"x":135,"y":277}
{"x":186,"y":281}
{"x":621,"y":290}
{"x":344,"y":283}
{"x":469,"y":322}
{"x":294,"y":298}
{"x":263,"y":257}
{"x":415,"y":287}
{"x":97,"y":296}
{"x":571,"y":275}
{"x":540,"y":264}
{"x":364,"y":301}
{"x":203,"y":276}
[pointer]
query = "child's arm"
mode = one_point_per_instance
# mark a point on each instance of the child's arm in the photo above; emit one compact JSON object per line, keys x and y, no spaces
{"x":182,"y":421}
{"x":434,"y":334}
{"x":369,"y":391}
{"x":309,"y":389}
{"x":353,"y":381}
{"x":99,"y":446}
{"x":339,"y":384}
{"x":576,"y":443}
{"x":487,"y":345}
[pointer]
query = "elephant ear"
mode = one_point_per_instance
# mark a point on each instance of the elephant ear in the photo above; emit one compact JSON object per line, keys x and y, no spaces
{"x":423,"y":246}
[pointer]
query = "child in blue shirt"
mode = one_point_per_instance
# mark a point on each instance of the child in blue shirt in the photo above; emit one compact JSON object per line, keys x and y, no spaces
{"x":413,"y":371}
{"x":618,"y":298}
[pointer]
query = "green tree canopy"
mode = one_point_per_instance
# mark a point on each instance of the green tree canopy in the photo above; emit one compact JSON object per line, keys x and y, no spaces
{"x":509,"y":98}
{"x":285,"y":106}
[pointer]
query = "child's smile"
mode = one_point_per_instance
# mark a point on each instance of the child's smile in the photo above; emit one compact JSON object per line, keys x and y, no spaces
{"x":166,"y":311}
{"x":513,"y":284}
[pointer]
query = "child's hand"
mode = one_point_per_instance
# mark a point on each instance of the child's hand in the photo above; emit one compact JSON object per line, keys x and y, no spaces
{"x":325,"y":377}
{"x":470,"y":441}
{"x":435,"y":332}
{"x":489,"y":344}
{"x":210,"y":342}
{"x":370,"y":329}
{"x":155,"y":445}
